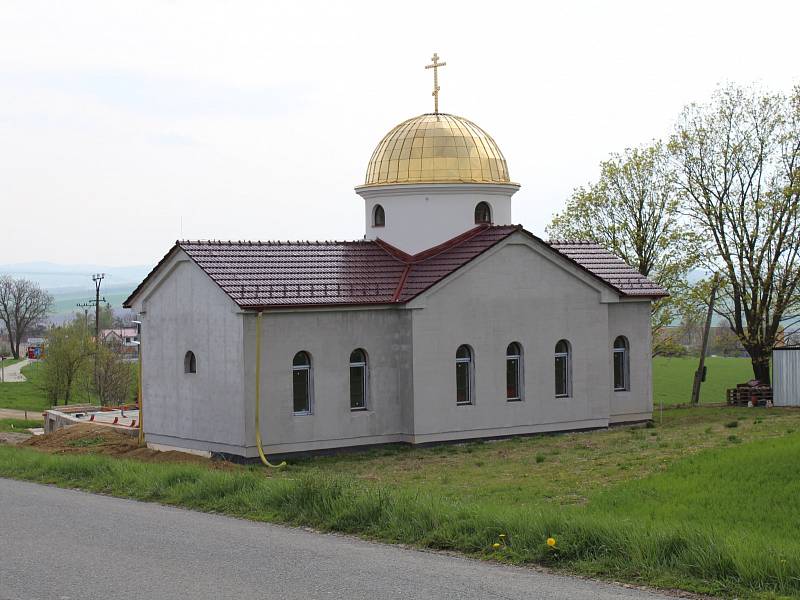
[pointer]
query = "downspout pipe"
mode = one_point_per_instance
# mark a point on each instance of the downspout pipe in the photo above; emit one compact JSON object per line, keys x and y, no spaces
{"x":259,"y":443}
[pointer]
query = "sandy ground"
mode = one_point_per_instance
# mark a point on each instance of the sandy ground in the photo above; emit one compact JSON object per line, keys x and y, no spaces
{"x":12,"y":413}
{"x":96,"y":439}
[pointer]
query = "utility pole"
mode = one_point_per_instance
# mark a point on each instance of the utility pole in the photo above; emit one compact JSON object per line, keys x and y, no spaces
{"x":97,"y":278}
{"x":700,"y":374}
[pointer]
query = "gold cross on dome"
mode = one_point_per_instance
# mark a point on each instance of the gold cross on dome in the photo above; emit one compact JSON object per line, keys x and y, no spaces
{"x":435,"y":66}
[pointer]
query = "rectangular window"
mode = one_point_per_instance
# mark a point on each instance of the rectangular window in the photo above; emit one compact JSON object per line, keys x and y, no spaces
{"x":358,"y":388}
{"x":562,"y":376}
{"x":300,"y":381}
{"x":462,"y":383}
{"x":512,"y":379}
{"x":620,"y":379}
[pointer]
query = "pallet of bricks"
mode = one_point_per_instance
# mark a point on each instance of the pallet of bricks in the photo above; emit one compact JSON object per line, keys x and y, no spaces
{"x":752,"y":393}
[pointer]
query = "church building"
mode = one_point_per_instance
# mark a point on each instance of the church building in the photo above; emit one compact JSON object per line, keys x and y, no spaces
{"x":445,"y":322}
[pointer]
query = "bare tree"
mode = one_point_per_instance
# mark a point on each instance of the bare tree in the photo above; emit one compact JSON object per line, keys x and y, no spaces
{"x":114,"y":376}
{"x":23,"y":304}
{"x":738,"y":161}
{"x":633,"y":211}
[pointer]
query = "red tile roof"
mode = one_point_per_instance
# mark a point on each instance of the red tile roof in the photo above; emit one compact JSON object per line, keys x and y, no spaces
{"x":283,"y":274}
{"x":609,"y":268}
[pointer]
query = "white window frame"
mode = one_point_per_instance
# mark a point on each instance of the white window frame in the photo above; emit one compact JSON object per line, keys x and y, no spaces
{"x":518,"y":359}
{"x":364,"y":377}
{"x":470,"y":362}
{"x":309,"y":385}
{"x":567,"y":371}
{"x":626,"y":378}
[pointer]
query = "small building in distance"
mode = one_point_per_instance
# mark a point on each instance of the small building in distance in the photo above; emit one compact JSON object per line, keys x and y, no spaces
{"x":124,"y":339}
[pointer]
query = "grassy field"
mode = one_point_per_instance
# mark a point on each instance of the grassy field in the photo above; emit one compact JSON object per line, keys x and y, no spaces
{"x":28,"y":395}
{"x":704,"y":501}
{"x":672,"y":378}
{"x":18,"y":425}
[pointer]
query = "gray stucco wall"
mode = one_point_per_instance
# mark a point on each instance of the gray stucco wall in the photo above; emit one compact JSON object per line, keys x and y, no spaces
{"x":632,"y":319}
{"x":329,"y":337}
{"x":185,"y":311}
{"x":517,"y":293}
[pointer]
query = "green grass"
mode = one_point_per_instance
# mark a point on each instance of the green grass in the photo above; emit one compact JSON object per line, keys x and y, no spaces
{"x":719,"y":522}
{"x":576,"y":465}
{"x":11,"y":361}
{"x":27,"y":395}
{"x":18,"y":425}
{"x":676,"y":505}
{"x":673,"y":377}
{"x":24,"y":395}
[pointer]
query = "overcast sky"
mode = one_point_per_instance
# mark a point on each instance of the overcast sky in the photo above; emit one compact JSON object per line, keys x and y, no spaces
{"x":126,"y":125}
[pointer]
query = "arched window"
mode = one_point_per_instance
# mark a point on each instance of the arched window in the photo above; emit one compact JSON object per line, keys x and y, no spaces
{"x":464,"y":375}
{"x":189,"y":363}
{"x":563,"y":369}
{"x":483,"y":213}
{"x":621,"y":365}
{"x":358,"y":380}
{"x":514,"y":372}
{"x":378,"y":216}
{"x":301,"y":383}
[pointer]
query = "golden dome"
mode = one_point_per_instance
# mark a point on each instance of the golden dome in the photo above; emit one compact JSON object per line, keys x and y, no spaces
{"x":437,"y":148}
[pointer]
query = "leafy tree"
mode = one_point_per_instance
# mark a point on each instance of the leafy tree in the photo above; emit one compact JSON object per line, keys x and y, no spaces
{"x":633,"y":210}
{"x":23,"y":305}
{"x":114,"y":376}
{"x":738,"y":166}
{"x":106,"y":317}
{"x":68,"y":348}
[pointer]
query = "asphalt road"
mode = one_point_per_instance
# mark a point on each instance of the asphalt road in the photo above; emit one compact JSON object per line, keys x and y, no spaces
{"x":63,"y":544}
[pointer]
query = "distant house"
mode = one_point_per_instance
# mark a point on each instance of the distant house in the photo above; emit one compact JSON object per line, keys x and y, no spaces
{"x":125,"y":338}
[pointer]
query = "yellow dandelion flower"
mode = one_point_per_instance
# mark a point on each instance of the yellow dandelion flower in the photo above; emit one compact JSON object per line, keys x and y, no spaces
{"x":495,"y":545}
{"x":502,"y":535}
{"x":551,"y":542}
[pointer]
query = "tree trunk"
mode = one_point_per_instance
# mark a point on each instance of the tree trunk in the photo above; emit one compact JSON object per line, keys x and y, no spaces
{"x":761,"y":367}
{"x":14,"y":346}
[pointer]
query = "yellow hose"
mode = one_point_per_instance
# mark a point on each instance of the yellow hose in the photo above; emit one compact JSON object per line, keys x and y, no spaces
{"x":258,"y":397}
{"x":139,"y":392}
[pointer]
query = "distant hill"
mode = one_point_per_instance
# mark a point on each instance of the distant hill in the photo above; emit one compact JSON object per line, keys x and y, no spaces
{"x":72,"y":284}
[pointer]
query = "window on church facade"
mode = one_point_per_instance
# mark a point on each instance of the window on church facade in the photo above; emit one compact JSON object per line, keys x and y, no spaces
{"x":514,"y":372}
{"x":189,"y":363}
{"x":464,"y":375}
{"x":301,"y":383}
{"x":358,"y":380}
{"x":621,"y":366}
{"x":483,"y":213}
{"x":563,"y":369}
{"x":378,"y":216}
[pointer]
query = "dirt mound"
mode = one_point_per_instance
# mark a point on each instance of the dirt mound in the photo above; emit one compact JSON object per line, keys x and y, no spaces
{"x":87,"y":438}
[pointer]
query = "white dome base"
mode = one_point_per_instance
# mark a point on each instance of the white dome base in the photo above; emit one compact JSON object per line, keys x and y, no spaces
{"x":420,"y":216}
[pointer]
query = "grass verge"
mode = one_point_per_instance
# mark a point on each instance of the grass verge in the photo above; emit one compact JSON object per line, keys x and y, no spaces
{"x":18,"y":425}
{"x":623,"y":532}
{"x":672,"y":378}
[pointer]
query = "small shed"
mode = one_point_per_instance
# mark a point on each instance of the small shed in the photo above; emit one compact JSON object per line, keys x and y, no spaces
{"x":786,"y":376}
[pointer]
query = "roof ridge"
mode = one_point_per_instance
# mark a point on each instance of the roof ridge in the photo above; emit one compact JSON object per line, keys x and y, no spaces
{"x":271,"y":242}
